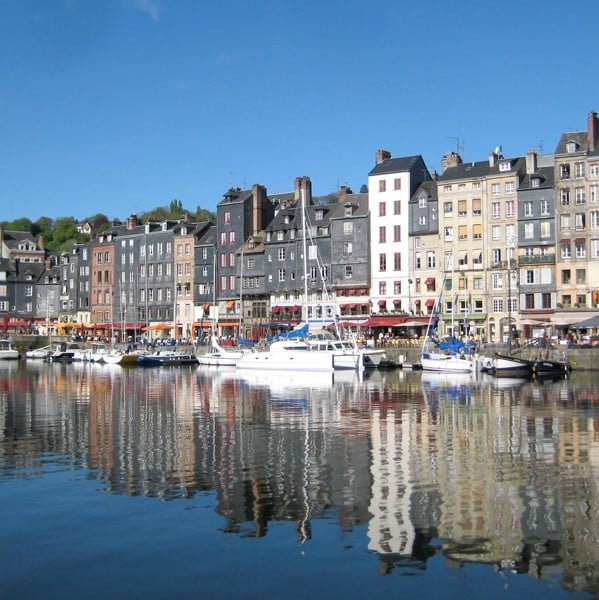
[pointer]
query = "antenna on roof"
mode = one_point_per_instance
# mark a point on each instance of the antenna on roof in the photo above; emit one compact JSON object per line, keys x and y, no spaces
{"x":459,"y":145}
{"x":540,"y":146}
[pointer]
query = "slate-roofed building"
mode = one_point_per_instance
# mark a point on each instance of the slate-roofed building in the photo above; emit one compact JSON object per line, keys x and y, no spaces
{"x":21,"y":245}
{"x":391,"y":184}
{"x":577,"y":217}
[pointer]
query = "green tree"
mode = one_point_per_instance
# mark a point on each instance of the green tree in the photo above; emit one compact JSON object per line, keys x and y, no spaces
{"x":22,"y":224}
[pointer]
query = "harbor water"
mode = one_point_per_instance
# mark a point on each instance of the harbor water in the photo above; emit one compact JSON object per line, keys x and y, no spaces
{"x":194,"y":482}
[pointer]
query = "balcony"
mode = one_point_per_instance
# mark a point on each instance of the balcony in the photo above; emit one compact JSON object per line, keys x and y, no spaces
{"x":547,"y":259}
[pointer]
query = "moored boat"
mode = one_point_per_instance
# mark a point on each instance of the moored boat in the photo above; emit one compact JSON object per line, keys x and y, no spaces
{"x":167,"y":358}
{"x":509,"y":366}
{"x":7,"y":352}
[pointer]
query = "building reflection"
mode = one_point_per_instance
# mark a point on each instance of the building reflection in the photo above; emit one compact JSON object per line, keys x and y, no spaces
{"x":502,"y":472}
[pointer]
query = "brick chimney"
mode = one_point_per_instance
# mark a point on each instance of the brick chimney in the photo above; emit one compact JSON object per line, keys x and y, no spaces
{"x":302,"y":183}
{"x":132,"y":221}
{"x":342,"y":194}
{"x":531,"y":162}
{"x":453,"y":159}
{"x":592,"y":131}
{"x":382,"y":155}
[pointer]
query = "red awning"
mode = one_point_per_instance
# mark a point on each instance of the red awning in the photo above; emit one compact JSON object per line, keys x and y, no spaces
{"x":564,"y":241}
{"x":430,"y":302}
{"x":382,"y":302}
{"x":397,"y":301}
{"x":275,"y":309}
{"x":429,"y":281}
{"x":384,"y":322}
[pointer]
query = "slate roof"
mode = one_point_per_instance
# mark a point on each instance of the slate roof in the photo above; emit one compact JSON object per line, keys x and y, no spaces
{"x":546,"y":175}
{"x":471,"y":170}
{"x":396,"y":165}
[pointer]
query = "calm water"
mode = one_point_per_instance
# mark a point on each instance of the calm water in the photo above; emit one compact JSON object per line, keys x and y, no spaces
{"x":190,"y":482}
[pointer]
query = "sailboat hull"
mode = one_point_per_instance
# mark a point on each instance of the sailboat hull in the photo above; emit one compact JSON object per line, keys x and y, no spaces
{"x":447,"y":363}
{"x":511,"y":365}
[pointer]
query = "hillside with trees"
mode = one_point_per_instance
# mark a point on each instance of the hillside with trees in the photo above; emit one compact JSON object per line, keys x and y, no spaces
{"x":61,"y":234}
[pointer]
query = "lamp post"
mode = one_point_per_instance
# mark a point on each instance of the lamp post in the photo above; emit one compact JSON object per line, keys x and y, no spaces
{"x":410,"y":296}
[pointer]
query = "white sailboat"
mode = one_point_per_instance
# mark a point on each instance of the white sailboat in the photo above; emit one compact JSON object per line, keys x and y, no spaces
{"x":434,"y":358}
{"x":218,"y":356}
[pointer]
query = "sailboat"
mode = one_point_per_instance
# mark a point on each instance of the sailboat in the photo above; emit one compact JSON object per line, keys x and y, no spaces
{"x":218,"y":356}
{"x":508,"y":364}
{"x":291,"y":351}
{"x":450,"y":356}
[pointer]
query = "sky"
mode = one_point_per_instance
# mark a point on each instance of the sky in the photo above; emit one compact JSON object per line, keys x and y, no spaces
{"x":121,"y":106}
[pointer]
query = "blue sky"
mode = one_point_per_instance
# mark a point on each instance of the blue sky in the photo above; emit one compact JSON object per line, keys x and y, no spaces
{"x":119,"y":106}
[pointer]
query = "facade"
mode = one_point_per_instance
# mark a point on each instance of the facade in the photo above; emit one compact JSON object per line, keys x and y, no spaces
{"x":102,"y":281}
{"x":391,"y":184}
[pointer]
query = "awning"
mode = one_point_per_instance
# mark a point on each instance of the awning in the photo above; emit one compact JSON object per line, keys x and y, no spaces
{"x":384,"y":322}
{"x":275,"y":309}
{"x":397,"y":301}
{"x":230,"y":304}
{"x":430,"y":302}
{"x":156,"y":326}
{"x":382,"y":303}
{"x":429,"y":281}
{"x":415,"y":323}
{"x":564,"y":241}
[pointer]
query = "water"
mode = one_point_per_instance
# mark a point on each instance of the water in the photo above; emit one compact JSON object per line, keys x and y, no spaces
{"x":191,"y":482}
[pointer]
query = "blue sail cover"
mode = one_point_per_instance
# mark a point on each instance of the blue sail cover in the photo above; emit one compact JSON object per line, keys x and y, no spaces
{"x":241,"y":341}
{"x":452,"y":344}
{"x":301,"y":331}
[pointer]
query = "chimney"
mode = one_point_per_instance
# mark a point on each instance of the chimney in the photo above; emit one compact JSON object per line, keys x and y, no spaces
{"x":493,"y":158}
{"x":132,"y":221}
{"x":41,"y":242}
{"x":531,"y":162}
{"x":592,"y":131}
{"x":344,"y":190}
{"x":453,"y":159}
{"x":303,"y":183}
{"x":382,"y":155}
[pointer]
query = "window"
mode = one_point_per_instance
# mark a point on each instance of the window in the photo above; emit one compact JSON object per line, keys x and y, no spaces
{"x":594,"y":214}
{"x":593,"y":196}
{"x":564,"y":222}
{"x":496,"y":232}
{"x":231,"y":237}
{"x":510,"y":187}
{"x":476,"y":206}
{"x":463,"y":232}
{"x":581,"y":276}
{"x":422,"y":202}
{"x":497,"y":281}
{"x":565,"y":249}
{"x":397,"y":207}
{"x":348,"y":227}
{"x":223,"y":238}
{"x":422,"y":220}
{"x":281,"y":253}
{"x":544,"y":207}
{"x":397,"y":233}
{"x":580,"y":219}
{"x":231,"y":259}
{"x":382,"y":235}
{"x":462,"y":208}
{"x":447,"y":188}
{"x":397,"y":184}
{"x":495,"y":210}
{"x":319,"y":215}
{"x":529,"y":276}
{"x":382,"y":209}
{"x":595,"y":248}
{"x":348,"y":271}
{"x":495,"y":189}
{"x":579,"y":169}
{"x":431,"y":261}
{"x":232,"y":282}
{"x":497,"y":305}
{"x":504,"y":165}
{"x":382,"y":262}
{"x":251,"y":264}
{"x":564,"y":195}
{"x":448,"y":233}
{"x":580,"y":195}
{"x":545,"y":229}
{"x":281,"y":275}
{"x":566,"y":276}
{"x":382,"y":288}
{"x":594,"y":170}
{"x":529,"y":231}
{"x":448,"y":208}
{"x":496,"y":256}
{"x":564,"y":170}
{"x":397,"y":261}
{"x":528,"y":210}
{"x":509,"y":208}
{"x":580,"y":246}
{"x":347,"y":248}
{"x":535,"y":182}
{"x":382,"y":185}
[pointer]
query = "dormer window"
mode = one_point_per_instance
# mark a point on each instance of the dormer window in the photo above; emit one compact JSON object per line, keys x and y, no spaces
{"x":280,"y":235}
{"x":183,"y":230}
{"x":319,"y":215}
{"x":571,"y":147}
{"x":535,"y":182}
{"x":286,"y":220}
{"x":268,"y":236}
{"x":505,"y":165}
{"x":101,"y":239}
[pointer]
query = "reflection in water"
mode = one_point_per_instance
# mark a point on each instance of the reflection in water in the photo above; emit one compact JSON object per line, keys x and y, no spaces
{"x":482,"y":470}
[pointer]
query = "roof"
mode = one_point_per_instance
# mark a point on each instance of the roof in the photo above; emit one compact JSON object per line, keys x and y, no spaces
{"x":472,"y":170}
{"x":396,"y":165}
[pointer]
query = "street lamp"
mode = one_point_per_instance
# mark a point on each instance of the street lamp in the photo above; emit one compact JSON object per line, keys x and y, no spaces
{"x":410,"y":296}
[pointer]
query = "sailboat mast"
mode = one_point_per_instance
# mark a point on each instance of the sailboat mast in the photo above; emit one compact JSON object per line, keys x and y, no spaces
{"x":303,"y":205}
{"x":509,"y":294}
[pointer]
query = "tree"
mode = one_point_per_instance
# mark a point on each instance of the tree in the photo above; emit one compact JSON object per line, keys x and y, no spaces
{"x":201,"y":214}
{"x":22,"y":224}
